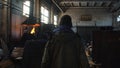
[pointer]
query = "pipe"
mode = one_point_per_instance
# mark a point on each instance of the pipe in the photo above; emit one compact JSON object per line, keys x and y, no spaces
{"x":57,"y":6}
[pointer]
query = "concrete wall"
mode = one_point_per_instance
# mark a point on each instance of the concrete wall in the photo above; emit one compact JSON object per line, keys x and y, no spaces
{"x":100,"y":17}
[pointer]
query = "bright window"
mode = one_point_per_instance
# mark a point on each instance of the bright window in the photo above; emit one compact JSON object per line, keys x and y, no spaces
{"x":44,"y":15}
{"x":118,"y":18}
{"x":26,"y":8}
{"x":55,"y":19}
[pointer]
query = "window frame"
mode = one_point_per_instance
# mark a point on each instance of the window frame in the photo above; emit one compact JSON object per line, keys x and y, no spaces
{"x":55,"y":20}
{"x":26,"y":6}
{"x":118,"y":18}
{"x":44,"y":15}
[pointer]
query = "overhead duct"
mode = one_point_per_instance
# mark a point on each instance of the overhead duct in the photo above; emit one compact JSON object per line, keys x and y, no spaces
{"x":57,"y":6}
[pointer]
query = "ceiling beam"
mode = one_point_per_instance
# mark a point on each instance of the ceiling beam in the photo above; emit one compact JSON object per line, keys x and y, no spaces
{"x":88,"y":1}
{"x":79,"y":4}
{"x":94,"y":3}
{"x":108,"y":4}
{"x":57,"y":6}
{"x":71,"y":4}
{"x":115,"y":7}
{"x":91,"y":4}
{"x":99,"y":4}
{"x":76,"y":4}
{"x":84,"y":4}
{"x":87,"y":7}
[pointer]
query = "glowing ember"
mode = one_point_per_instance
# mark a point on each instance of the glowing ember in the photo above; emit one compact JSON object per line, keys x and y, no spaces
{"x":33,"y":30}
{"x":36,"y":25}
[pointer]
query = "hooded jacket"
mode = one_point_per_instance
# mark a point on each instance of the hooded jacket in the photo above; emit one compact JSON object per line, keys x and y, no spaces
{"x":64,"y":50}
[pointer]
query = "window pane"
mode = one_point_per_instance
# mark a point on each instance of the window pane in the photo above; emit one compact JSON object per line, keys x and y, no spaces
{"x":42,"y":10}
{"x":55,"y":23}
{"x":26,"y":8}
{"x":46,"y":20}
{"x":27,"y":3}
{"x":55,"y":20}
{"x":46,"y":12}
{"x":118,"y":18}
{"x":44,"y":15}
{"x":42,"y":18}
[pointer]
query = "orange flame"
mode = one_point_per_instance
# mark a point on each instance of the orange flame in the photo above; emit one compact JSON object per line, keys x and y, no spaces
{"x":36,"y":25}
{"x":33,"y":30}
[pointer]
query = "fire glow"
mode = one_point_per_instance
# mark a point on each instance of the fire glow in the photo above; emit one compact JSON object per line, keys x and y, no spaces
{"x":33,"y":30}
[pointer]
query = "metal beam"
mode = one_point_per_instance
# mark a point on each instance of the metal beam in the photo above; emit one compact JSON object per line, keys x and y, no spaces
{"x":84,"y":4}
{"x":90,"y":1}
{"x":57,"y":6}
{"x":115,"y":7}
{"x":91,"y":4}
{"x":108,"y":4}
{"x":101,"y":4}
{"x":86,"y":7}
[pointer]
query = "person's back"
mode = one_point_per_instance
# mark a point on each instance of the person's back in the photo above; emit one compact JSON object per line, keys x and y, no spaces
{"x":64,"y":50}
{"x":32,"y":54}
